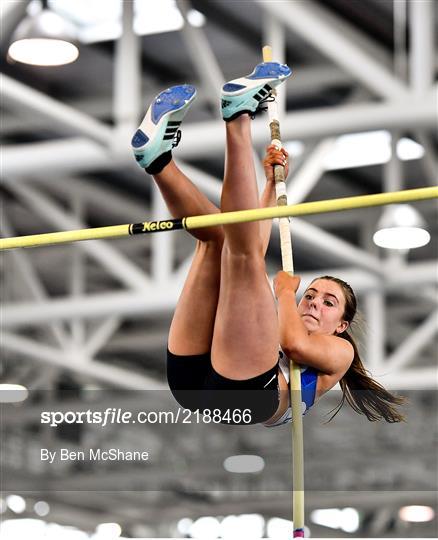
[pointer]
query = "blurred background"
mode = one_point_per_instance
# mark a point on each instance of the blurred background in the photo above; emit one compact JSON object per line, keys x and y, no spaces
{"x":85,"y":325}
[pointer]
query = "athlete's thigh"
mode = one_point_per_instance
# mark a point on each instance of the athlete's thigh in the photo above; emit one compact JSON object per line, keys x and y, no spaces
{"x":245,"y":339}
{"x":191,"y":330}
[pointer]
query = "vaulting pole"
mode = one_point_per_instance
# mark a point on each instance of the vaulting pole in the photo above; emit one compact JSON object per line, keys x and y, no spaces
{"x":225,"y":218}
{"x":294,"y":369}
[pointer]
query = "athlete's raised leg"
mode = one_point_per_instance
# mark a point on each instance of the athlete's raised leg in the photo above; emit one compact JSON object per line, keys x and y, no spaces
{"x":245,"y":339}
{"x":192,"y":325}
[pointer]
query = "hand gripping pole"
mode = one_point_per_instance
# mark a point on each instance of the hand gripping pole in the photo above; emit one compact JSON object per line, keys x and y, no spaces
{"x":295,"y":374}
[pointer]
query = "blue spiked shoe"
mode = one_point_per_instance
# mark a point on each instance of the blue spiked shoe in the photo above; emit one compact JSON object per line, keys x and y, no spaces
{"x":159,"y":131}
{"x":247,"y":94}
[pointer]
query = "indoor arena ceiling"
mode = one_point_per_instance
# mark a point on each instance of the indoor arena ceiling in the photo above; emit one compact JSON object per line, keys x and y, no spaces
{"x":96,"y":314}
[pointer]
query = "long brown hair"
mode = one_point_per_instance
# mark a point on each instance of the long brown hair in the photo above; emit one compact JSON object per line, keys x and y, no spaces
{"x":364,"y":394}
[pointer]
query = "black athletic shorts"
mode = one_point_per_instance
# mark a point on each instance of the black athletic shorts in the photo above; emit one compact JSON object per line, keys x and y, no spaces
{"x":197,"y":386}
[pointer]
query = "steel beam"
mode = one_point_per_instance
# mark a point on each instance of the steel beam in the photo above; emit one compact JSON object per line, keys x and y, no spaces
{"x":330,"y":248}
{"x":101,"y":199}
{"x":400,"y":53}
{"x":319,"y":123}
{"x":422,"y":50}
{"x":203,"y":139}
{"x":374,"y":304}
{"x":429,"y":161}
{"x":118,"y":377}
{"x":315,"y":78}
{"x":162,"y":245}
{"x":410,"y":274}
{"x":274,"y":35}
{"x":127,"y":81}
{"x":410,"y":379}
{"x":313,"y":166}
{"x":114,"y":262}
{"x":91,"y":306}
{"x":203,"y":58}
{"x":414,"y":343}
{"x":310,"y":172}
{"x":311,"y":24}
{"x":11,"y":14}
{"x":34,"y":285}
{"x":77,"y":275}
{"x":24,"y":98}
{"x":100,"y":336}
{"x":163,"y":300}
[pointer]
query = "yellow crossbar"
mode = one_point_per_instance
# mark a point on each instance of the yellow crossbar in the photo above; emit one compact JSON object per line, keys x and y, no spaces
{"x":226,"y":218}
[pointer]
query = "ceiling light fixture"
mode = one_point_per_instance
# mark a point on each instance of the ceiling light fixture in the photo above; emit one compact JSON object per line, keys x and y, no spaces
{"x":16,"y":503}
{"x":416,"y":513}
{"x":44,"y":39}
{"x":248,"y":526}
{"x":12,"y":393}
{"x":205,"y":527}
{"x":401,"y":227}
{"x":279,"y":528}
{"x":369,"y":148}
{"x":244,"y":464}
{"x":41,"y":508}
{"x":346,"y":519}
{"x":108,"y":531}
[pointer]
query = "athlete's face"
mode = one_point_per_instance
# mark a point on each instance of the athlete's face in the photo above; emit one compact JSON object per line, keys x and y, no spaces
{"x":322,"y":308}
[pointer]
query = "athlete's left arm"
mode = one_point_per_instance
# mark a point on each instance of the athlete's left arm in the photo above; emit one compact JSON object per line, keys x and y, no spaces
{"x":269,"y":198}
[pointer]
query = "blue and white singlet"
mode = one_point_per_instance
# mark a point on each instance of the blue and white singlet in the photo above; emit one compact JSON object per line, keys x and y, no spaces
{"x":309,"y":378}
